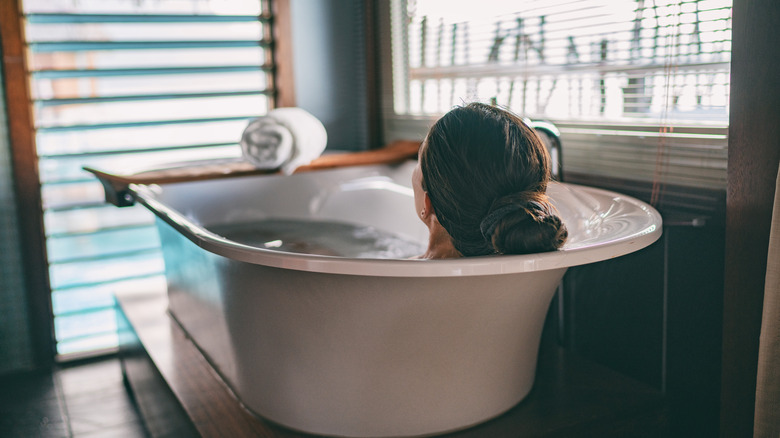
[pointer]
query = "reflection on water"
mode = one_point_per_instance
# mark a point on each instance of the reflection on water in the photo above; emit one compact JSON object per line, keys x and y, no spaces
{"x":320,"y":237}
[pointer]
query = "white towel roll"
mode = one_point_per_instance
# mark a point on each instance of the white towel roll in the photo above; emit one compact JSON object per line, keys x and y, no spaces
{"x":284,"y":138}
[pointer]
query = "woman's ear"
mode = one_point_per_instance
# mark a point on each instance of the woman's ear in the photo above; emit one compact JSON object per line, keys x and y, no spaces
{"x":427,"y":207}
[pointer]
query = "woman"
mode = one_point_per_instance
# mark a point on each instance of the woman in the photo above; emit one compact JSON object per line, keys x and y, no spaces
{"x":480,"y":186}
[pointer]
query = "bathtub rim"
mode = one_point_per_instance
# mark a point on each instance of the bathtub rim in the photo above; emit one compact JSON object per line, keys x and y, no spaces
{"x":467,"y":266}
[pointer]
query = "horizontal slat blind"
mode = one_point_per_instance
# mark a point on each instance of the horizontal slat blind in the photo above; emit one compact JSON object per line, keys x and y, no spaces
{"x":659,"y":65}
{"x":690,"y":156}
{"x":130,"y":82}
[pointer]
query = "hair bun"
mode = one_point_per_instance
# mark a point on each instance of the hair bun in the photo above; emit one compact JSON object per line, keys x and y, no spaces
{"x":517,"y":224}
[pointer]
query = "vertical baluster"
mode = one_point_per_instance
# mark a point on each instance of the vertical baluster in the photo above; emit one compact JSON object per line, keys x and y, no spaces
{"x":603,"y":47}
{"x":452,"y":61}
{"x":439,"y":42}
{"x":656,"y":33}
{"x":423,"y":63}
{"x":515,"y":57}
{"x":470,"y":82}
{"x":572,"y":58}
{"x":635,"y":53}
{"x":496,"y":47}
{"x":703,"y":82}
{"x":696,"y":30}
{"x":466,"y":58}
{"x":526,"y":42}
{"x":634,"y":99}
{"x":540,"y":52}
{"x":493,"y":56}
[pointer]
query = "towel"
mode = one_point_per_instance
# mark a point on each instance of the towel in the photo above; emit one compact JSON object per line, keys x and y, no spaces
{"x":285,"y":138}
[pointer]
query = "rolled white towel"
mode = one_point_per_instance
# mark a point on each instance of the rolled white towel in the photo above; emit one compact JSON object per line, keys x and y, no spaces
{"x":284,"y":138}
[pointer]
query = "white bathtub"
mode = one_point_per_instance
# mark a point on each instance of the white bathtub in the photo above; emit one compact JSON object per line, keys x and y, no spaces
{"x":369,"y":347}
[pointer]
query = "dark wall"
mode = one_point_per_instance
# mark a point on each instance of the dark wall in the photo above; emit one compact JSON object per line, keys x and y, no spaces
{"x":329,"y":61}
{"x":754,"y":153}
{"x":655,"y":315}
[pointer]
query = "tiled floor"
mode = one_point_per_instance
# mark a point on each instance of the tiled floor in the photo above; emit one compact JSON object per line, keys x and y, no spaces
{"x":86,"y":400}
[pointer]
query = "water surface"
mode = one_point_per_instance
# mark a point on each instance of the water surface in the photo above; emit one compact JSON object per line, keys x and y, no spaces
{"x":320,"y":237}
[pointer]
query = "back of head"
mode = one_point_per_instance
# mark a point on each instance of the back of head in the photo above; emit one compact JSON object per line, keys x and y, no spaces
{"x":486,"y":173}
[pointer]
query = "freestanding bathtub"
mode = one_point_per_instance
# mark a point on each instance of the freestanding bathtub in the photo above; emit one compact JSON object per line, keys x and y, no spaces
{"x":350,"y":346}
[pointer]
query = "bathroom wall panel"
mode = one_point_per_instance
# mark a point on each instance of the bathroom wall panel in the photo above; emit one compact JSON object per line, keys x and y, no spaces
{"x":329,"y":67}
{"x":616,"y":310}
{"x":656,"y":316}
{"x":695,"y":319}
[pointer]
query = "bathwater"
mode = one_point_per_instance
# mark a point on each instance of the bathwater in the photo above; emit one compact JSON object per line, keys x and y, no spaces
{"x":320,"y":237}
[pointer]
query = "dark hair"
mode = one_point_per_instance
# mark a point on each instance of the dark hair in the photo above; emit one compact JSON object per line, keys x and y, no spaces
{"x":486,"y":175}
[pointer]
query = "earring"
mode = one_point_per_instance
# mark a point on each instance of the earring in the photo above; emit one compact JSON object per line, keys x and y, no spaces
{"x":422,"y":213}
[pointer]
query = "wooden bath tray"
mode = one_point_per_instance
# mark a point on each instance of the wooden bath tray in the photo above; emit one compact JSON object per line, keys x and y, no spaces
{"x":116,"y":179}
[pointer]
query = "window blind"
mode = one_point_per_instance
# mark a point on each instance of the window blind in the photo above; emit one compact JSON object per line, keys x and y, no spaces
{"x":639,"y":89}
{"x":114,"y":81}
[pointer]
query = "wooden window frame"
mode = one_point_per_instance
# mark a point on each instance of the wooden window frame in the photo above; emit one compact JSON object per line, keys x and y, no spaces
{"x":282,"y":55}
{"x":27,"y":185}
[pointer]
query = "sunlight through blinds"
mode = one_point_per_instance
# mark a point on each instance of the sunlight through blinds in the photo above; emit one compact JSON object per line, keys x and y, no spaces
{"x":116,"y":80}
{"x":621,"y":79}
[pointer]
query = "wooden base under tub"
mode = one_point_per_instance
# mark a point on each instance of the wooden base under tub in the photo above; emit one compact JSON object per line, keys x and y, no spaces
{"x":180,"y":395}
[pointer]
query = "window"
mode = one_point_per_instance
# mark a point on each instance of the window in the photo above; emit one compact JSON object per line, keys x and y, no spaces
{"x":639,"y":89}
{"x":134,"y":81}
